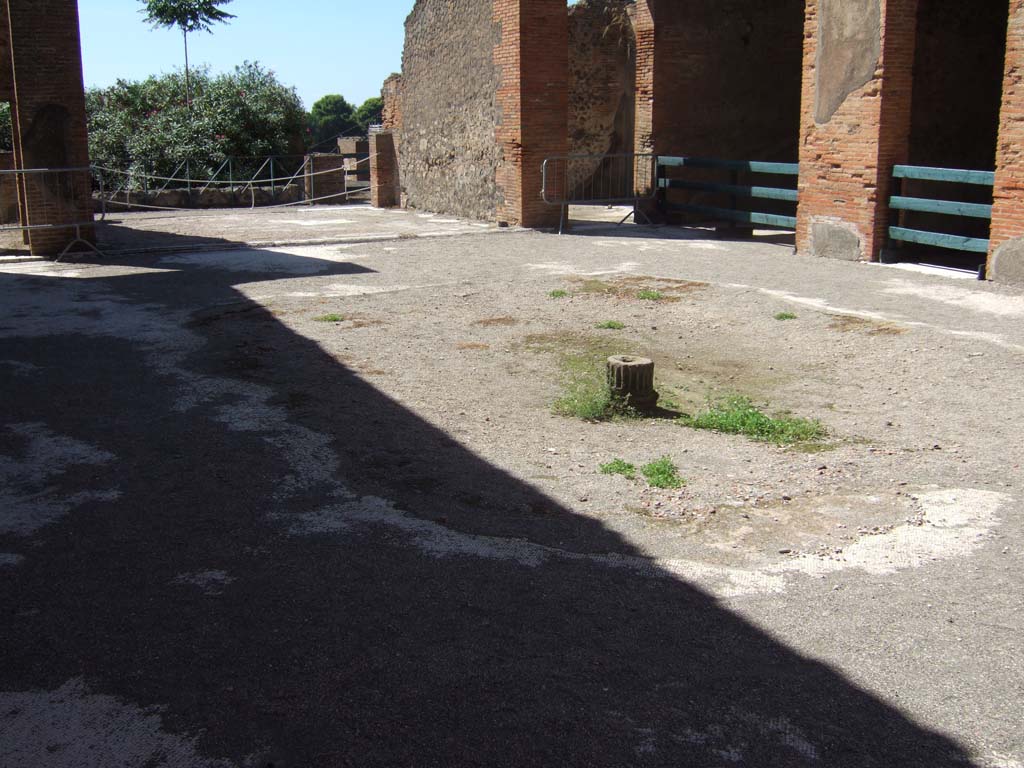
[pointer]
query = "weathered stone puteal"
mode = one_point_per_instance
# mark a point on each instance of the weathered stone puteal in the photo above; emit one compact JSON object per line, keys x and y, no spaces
{"x":631,"y":380}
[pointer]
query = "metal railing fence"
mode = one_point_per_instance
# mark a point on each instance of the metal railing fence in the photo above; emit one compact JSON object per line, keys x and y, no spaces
{"x":593,"y":179}
{"x":267,"y":187}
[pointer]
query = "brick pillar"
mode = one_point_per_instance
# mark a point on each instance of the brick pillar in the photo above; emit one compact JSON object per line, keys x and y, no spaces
{"x":384,"y":180}
{"x":643,"y":28}
{"x":391,"y":95}
{"x":49,"y":109}
{"x":1006,"y":253}
{"x":532,"y":57}
{"x":855,"y":122}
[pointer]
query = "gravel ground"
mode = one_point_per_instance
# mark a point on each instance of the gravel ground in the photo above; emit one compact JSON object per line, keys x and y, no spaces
{"x":311,"y":506}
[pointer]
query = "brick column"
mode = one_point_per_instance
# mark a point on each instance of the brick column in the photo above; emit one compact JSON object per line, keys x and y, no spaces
{"x":1006,"y":253}
{"x":643,"y":28}
{"x":391,"y":95}
{"x":532,"y":57}
{"x":49,"y":111}
{"x":384,"y":181}
{"x":855,"y":124}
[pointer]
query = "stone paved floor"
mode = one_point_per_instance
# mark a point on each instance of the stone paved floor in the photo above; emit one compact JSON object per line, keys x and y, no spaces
{"x":260,"y":227}
{"x":309,"y":507}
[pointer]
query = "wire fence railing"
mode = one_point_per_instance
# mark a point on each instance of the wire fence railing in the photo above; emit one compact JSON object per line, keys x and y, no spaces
{"x":275,"y":181}
{"x":229,"y":171}
{"x":54,"y":211}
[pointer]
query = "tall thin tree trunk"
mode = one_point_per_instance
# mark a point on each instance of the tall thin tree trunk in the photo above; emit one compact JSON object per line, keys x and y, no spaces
{"x":188,"y":89}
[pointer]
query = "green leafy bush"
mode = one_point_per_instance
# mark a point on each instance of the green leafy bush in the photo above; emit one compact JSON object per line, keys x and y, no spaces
{"x":146,"y":126}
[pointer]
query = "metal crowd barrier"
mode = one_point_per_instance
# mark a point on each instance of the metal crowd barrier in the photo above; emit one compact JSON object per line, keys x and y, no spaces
{"x":592,"y":179}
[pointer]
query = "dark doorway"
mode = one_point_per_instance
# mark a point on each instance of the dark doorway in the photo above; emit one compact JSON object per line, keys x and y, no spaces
{"x":958,"y":75}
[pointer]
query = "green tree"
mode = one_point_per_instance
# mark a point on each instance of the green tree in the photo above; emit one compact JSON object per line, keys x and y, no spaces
{"x":188,"y":16}
{"x":369,"y":112}
{"x":143,"y":126}
{"x":331,"y":116}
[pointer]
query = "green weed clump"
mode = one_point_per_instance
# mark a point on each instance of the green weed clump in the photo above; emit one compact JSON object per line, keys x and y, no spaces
{"x":585,"y":397}
{"x":738,"y":416}
{"x":558,"y":293}
{"x":648,"y":295}
{"x":611,"y":325}
{"x":662,"y":474}
{"x":785,"y":316}
{"x":619,"y":467}
{"x":331,"y":318}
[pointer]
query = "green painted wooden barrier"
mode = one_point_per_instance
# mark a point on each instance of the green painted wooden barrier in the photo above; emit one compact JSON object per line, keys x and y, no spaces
{"x":764,"y":193}
{"x":753,"y":166}
{"x":984,"y":178}
{"x":944,"y":207}
{"x":735,"y":190}
{"x":940,"y":240}
{"x":950,"y":207}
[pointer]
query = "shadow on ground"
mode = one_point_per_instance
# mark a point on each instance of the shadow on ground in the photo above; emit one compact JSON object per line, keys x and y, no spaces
{"x":465,"y":621}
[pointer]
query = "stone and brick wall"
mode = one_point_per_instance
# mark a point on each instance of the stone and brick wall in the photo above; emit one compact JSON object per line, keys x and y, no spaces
{"x":391,"y":95}
{"x":448,"y":113}
{"x":719,"y":78}
{"x":1006,"y":255}
{"x":532,"y":57}
{"x":49,"y":116}
{"x":857,"y":85}
{"x":385,"y":183}
{"x":602,"y":73}
{"x":6,"y":67}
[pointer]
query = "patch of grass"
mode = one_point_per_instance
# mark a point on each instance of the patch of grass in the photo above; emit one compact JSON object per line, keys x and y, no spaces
{"x":582,"y":359}
{"x":785,"y":316}
{"x":619,"y":467}
{"x":648,"y":294}
{"x":611,"y":325}
{"x":662,"y":473}
{"x":586,"y":395}
{"x":738,"y":416}
{"x":558,"y":294}
{"x":330,"y":318}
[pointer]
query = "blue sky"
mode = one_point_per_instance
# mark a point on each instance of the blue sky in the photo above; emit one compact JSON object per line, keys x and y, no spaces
{"x":319,"y":46}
